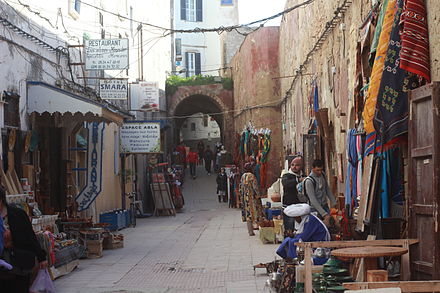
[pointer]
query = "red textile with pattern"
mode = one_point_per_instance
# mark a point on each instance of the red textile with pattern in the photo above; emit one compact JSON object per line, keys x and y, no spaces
{"x":414,"y":55}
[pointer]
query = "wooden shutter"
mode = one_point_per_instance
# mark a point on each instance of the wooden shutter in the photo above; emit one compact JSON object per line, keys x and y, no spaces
{"x":198,"y":65}
{"x":178,"y":47}
{"x":186,"y":64}
{"x":199,"y":10}
{"x":424,"y":181}
{"x":183,"y":9}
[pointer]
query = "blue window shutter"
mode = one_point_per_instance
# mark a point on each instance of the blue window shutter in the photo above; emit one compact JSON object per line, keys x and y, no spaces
{"x":186,"y":64}
{"x":198,"y":65}
{"x":199,"y":10}
{"x":183,"y":9}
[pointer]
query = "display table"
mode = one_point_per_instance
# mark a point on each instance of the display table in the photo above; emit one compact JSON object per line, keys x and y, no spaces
{"x":308,"y":246}
{"x":370,"y":254}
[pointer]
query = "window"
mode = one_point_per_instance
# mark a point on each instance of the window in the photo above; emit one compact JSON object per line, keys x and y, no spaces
{"x":192,"y":63}
{"x":205,"y":120}
{"x":227,"y":2}
{"x":178,"y":47}
{"x":74,"y":8}
{"x":191,"y":10}
{"x":193,"y":127}
{"x":11,"y":109}
{"x":185,"y":125}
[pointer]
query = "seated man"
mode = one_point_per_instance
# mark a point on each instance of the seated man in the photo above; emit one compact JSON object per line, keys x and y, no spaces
{"x":309,"y":228}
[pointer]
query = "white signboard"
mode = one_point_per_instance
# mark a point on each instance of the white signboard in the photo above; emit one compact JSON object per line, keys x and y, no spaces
{"x":140,"y":137}
{"x":113,"y":89}
{"x":106,"y":54}
{"x":149,"y":96}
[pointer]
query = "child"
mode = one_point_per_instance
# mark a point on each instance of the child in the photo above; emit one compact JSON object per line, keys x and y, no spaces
{"x":222,"y":185}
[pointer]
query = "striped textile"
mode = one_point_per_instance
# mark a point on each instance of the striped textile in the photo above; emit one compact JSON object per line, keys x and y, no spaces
{"x":376,"y":75}
{"x":414,"y":55}
{"x":391,"y":118}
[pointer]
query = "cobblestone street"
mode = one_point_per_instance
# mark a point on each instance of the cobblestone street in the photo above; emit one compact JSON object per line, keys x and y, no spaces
{"x":203,"y":249}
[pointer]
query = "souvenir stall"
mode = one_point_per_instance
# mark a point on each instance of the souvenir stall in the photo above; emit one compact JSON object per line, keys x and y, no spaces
{"x":374,"y":206}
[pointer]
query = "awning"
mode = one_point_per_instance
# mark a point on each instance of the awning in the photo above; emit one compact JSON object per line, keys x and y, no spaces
{"x":43,"y":98}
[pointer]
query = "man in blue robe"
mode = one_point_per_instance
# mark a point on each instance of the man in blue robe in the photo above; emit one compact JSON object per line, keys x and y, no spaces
{"x":309,"y":228}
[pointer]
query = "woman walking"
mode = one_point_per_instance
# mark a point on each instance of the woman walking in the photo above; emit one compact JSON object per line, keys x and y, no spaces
{"x":252,"y":209}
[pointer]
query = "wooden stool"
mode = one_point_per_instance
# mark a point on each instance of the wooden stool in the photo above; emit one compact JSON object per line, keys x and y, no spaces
{"x":377,"y":276}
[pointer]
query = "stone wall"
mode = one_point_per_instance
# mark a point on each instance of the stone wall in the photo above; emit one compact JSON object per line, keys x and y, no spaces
{"x":256,"y":93}
{"x":332,"y":66}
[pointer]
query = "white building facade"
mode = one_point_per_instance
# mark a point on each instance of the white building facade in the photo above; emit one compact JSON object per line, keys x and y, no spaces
{"x":41,"y":51}
{"x":197,"y":53}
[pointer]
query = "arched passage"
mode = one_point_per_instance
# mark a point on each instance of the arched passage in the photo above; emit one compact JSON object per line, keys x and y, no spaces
{"x":210,"y":99}
{"x":198,"y":104}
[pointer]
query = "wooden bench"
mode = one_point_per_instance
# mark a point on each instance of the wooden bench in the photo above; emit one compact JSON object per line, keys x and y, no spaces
{"x":308,"y":246}
{"x":405,"y":286}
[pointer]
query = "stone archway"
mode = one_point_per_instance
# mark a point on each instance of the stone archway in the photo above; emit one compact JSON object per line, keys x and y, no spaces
{"x":207,"y":99}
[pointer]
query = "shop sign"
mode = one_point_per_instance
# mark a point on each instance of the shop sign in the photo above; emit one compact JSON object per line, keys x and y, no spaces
{"x":140,"y":137}
{"x":106,"y":54}
{"x":113,"y":89}
{"x":148,"y":96}
{"x":94,"y":166}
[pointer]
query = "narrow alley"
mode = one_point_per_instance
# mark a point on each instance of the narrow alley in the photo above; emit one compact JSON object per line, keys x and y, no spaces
{"x":205,"y":248}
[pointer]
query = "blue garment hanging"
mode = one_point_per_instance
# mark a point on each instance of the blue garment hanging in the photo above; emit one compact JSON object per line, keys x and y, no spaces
{"x":351,"y":179}
{"x":384,"y":187}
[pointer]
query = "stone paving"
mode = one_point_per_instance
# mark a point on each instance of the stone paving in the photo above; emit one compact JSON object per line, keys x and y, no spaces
{"x":205,"y":248}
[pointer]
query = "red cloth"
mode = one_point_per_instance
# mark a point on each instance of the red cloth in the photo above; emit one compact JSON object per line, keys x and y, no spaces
{"x":414,"y":55}
{"x":192,"y":157}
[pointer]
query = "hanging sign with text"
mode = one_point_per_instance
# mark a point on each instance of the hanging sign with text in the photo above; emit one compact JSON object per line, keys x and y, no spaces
{"x":140,"y":137}
{"x":148,"y":96}
{"x":113,"y":89}
{"x":106,"y":54}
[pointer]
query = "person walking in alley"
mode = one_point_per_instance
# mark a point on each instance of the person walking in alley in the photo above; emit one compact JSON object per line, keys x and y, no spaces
{"x":201,"y":151}
{"x":290,"y":180}
{"x":252,"y":209}
{"x":192,"y":159}
{"x":318,"y":191}
{"x":222,"y":185}
{"x":208,"y":156}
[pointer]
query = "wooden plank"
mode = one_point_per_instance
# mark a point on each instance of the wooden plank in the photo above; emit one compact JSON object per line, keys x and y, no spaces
{"x":368,"y":168}
{"x":6,"y":182}
{"x":12,"y":186}
{"x":406,"y":272}
{"x":405,"y":286}
{"x":358,"y":243}
{"x":425,"y":151}
{"x":308,"y":287}
{"x":17,"y":182}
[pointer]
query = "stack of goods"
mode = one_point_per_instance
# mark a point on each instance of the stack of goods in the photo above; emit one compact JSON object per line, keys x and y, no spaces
{"x":267,"y":231}
{"x":66,"y":250}
{"x":334,"y":274}
{"x":113,"y":241}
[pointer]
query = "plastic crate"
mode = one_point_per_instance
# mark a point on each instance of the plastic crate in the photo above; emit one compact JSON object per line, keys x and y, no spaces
{"x":128,"y":217}
{"x":110,"y":218}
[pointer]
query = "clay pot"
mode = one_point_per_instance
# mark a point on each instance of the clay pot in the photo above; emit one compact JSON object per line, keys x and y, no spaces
{"x":276,"y":197}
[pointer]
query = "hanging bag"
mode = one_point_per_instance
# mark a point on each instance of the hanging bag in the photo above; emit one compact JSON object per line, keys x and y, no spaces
{"x":43,"y":283}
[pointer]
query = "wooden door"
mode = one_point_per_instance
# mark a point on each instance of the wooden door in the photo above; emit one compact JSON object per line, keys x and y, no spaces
{"x":423,"y":181}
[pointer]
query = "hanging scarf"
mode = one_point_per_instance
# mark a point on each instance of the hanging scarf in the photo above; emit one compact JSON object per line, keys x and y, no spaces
{"x":377,"y":32}
{"x":351,"y":182}
{"x":376,"y":75}
{"x":414,"y":53}
{"x":391,"y":118}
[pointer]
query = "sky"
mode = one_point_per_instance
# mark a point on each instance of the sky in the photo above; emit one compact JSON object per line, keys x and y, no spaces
{"x":251,"y":10}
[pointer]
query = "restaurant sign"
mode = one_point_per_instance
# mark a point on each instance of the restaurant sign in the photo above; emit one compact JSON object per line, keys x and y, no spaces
{"x":106,"y":54}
